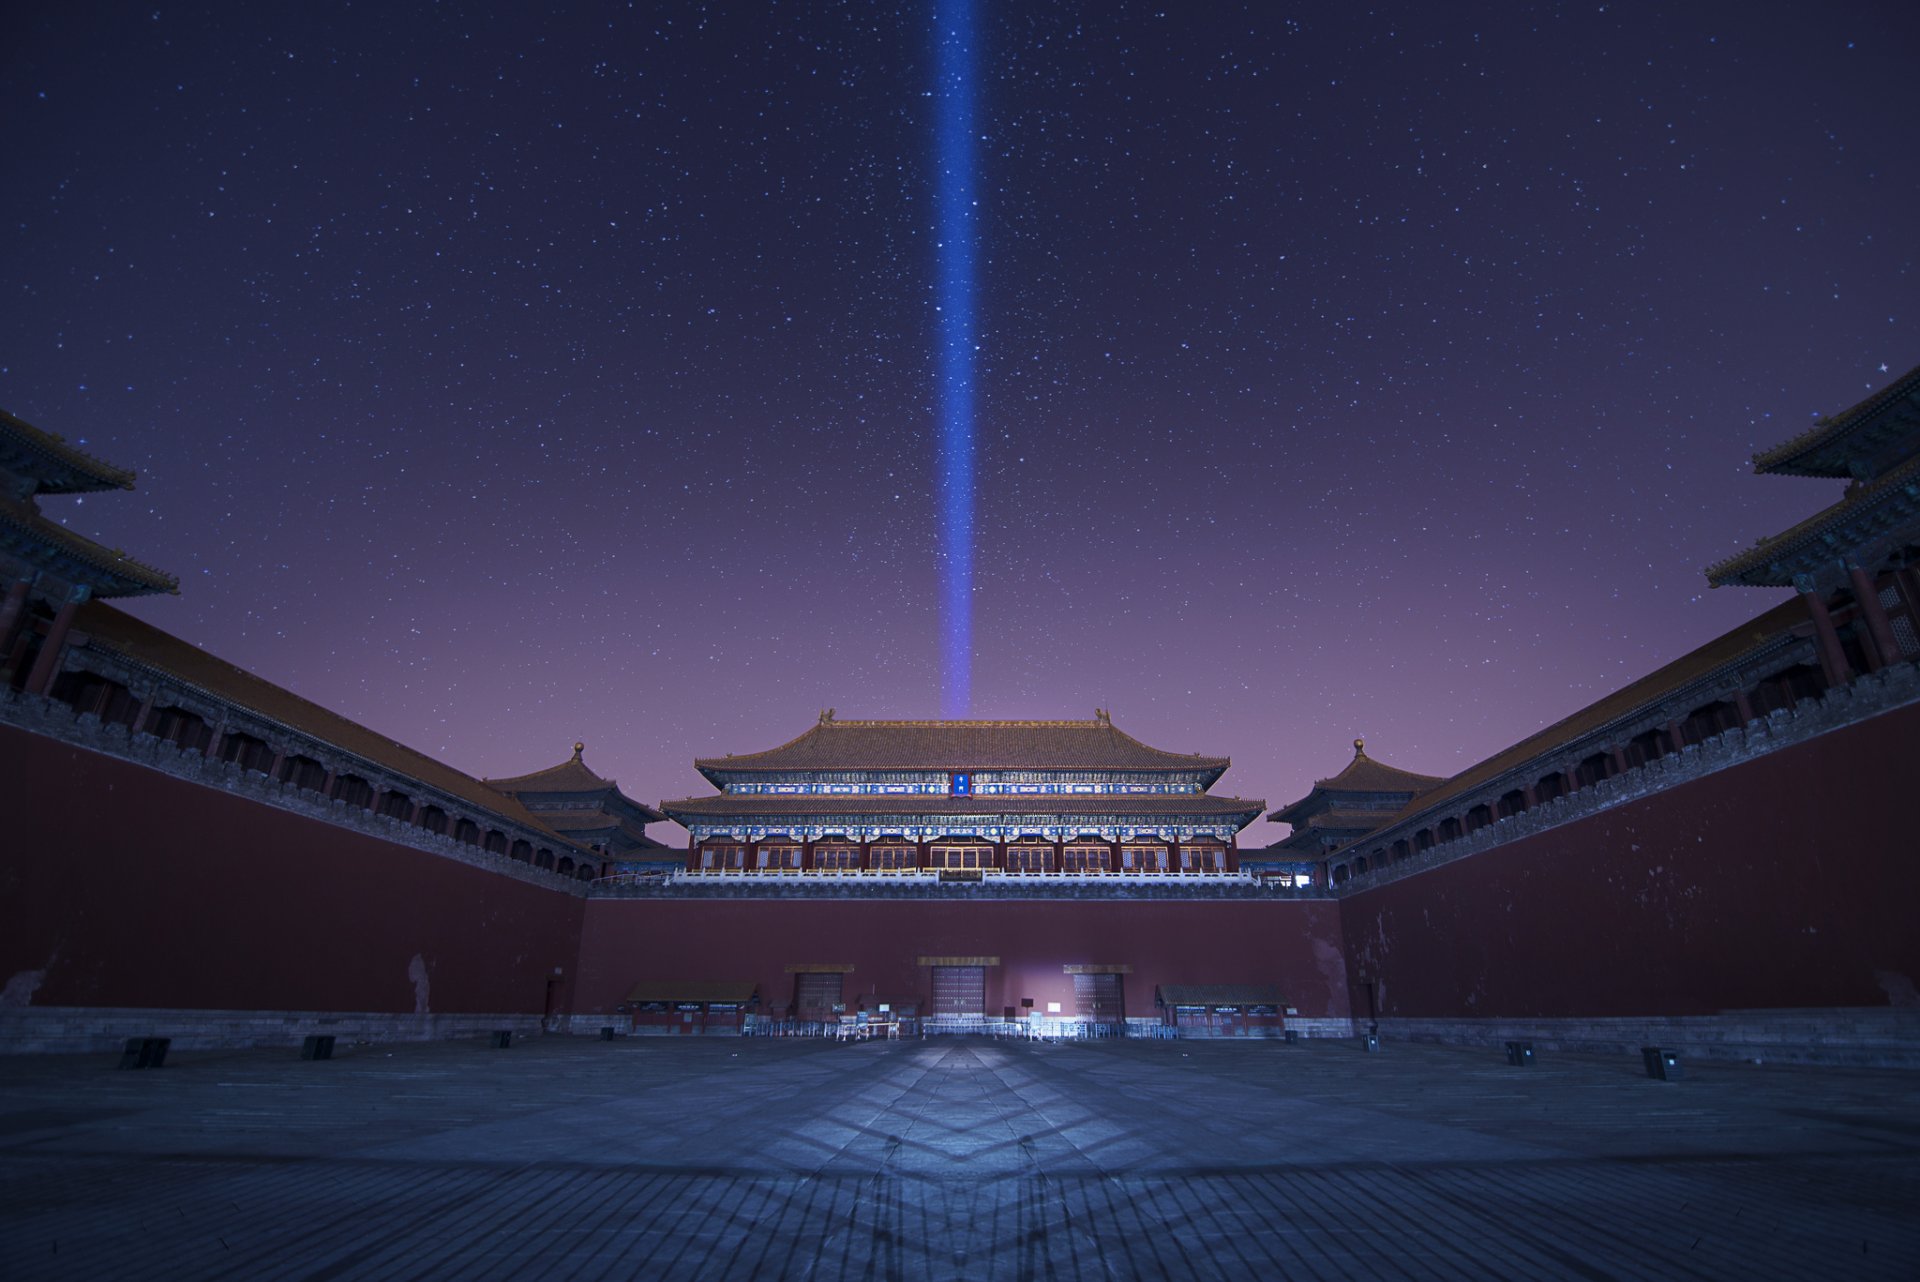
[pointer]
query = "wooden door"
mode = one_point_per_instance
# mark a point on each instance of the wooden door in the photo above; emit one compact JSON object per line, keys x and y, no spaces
{"x":959,"y":990}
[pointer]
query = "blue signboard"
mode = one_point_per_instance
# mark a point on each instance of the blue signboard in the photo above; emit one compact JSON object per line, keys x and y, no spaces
{"x":962,"y":785}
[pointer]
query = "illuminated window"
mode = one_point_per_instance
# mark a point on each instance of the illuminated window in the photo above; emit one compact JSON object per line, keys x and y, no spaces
{"x":1086,"y":857}
{"x":1203,"y":858}
{"x":778,"y":857}
{"x":895,"y":857}
{"x":962,"y":856}
{"x":723,"y":856}
{"x":1143,"y":858}
{"x":836,"y":857}
{"x":1029,"y":857}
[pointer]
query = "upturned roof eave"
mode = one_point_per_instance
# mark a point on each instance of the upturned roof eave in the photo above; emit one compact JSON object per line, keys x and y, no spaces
{"x":1743,"y":568}
{"x":107,"y":571}
{"x":1787,"y":458}
{"x":920,"y":756}
{"x":85,"y":473}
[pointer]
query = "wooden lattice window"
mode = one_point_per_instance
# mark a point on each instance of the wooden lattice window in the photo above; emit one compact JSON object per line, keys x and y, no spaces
{"x":1086,"y":857}
{"x":778,"y":857}
{"x":839,"y":857}
{"x":962,"y":856}
{"x":895,"y":857}
{"x":1030,"y":857}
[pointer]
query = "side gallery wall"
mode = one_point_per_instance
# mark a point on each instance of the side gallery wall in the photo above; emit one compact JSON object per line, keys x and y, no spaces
{"x":1784,"y":882}
{"x":122,"y":886}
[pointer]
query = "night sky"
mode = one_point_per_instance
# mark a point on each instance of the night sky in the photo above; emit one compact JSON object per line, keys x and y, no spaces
{"x":503,"y":379}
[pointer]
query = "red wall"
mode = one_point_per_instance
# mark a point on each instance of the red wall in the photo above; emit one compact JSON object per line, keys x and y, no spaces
{"x":1789,"y":880}
{"x":1292,"y":943}
{"x":132,"y":888}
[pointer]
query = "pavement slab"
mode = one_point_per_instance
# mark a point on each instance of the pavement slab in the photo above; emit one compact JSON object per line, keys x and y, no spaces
{"x":951,"y":1158}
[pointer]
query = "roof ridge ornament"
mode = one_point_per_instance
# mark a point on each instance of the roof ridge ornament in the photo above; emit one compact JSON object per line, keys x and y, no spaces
{"x":1359,"y":747}
{"x":826,"y":718}
{"x":578,"y":748}
{"x":1102,"y":717}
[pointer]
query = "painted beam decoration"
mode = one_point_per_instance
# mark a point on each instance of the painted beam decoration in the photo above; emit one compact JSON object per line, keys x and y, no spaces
{"x":1042,"y":794}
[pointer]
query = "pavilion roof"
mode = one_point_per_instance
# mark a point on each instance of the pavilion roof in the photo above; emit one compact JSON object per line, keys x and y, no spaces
{"x":55,"y":466}
{"x":597,"y":825}
{"x":108,"y":572}
{"x":1349,"y":820}
{"x":1831,"y":444}
{"x":1866,"y":511}
{"x":1364,"y":776}
{"x":571,"y":777}
{"x":785,"y":806}
{"x":962,"y":745}
{"x":144,"y":644}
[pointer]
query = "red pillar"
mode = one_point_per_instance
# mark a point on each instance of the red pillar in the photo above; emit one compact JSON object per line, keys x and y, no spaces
{"x":12,"y":610}
{"x":48,"y":663}
{"x":1879,"y":631}
{"x":1910,"y":580}
{"x":1833,"y":660}
{"x":1744,"y":705}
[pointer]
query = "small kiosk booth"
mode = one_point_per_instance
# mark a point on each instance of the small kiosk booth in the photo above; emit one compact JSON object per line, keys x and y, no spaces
{"x":1221,"y":1010}
{"x":691,"y":1007}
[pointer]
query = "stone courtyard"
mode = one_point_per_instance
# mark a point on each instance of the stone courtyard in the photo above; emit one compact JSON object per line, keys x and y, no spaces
{"x":950,"y":1158}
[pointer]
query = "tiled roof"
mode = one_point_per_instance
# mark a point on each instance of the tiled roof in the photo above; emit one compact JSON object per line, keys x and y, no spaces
{"x":570,"y":775}
{"x":1364,"y":774}
{"x":582,"y":824}
{"x":1772,"y":562}
{"x":787,"y":806}
{"x":1718,"y":653}
{"x":134,"y":578}
{"x":1220,"y":995}
{"x":1792,"y":456}
{"x":578,"y":820}
{"x":74,"y":470}
{"x":963,"y":745}
{"x":1350,"y":820}
{"x":143,"y":643}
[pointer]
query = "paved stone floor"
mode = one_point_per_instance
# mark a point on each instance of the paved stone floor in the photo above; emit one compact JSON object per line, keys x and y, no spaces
{"x":950,"y":1159}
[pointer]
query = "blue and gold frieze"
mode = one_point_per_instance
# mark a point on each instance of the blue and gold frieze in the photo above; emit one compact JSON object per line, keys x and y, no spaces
{"x":998,"y":833}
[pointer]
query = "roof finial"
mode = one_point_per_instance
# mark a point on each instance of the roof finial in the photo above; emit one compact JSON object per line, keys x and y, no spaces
{"x":826,"y":716}
{"x":578,"y":748}
{"x":1359,"y":747}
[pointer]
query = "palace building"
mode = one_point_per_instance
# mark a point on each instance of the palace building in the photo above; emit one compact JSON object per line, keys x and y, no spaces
{"x":958,"y":801}
{"x":1713,"y":856}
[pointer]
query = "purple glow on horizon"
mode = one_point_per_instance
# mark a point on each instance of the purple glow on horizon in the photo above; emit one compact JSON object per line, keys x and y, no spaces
{"x":506,"y":380}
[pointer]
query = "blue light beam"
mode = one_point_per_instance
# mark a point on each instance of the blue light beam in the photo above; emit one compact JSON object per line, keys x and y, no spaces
{"x":957,"y":234}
